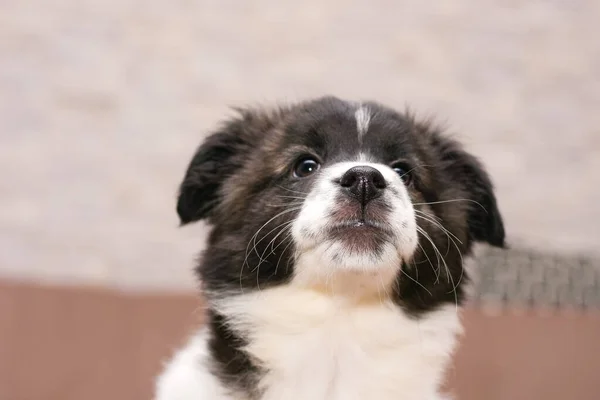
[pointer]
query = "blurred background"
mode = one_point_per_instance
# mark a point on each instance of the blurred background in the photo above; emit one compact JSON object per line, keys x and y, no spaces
{"x":102,"y":103}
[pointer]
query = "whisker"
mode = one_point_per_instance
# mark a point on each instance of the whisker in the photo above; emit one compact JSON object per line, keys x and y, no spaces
{"x":261,"y":258}
{"x":415,"y":281}
{"x":454,"y":290}
{"x":287,"y":265}
{"x":448,"y":234}
{"x":450,"y":201}
{"x":427,"y":217}
{"x":411,"y":170}
{"x":283,"y":251}
{"x":293,"y":191}
{"x":437,"y":253}
{"x":416,"y":269}
{"x":436,"y":272}
{"x":435,"y":217}
{"x":253,"y":239}
{"x":293,"y":204}
{"x":448,"y":242}
{"x":448,"y":273}
{"x":291,"y":197}
{"x":272,"y":241}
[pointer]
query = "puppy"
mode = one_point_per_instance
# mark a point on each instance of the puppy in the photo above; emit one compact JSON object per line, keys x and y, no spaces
{"x":335,"y":264}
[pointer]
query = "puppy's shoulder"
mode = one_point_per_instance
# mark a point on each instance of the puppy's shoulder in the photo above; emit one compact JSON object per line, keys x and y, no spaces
{"x":187,"y":375}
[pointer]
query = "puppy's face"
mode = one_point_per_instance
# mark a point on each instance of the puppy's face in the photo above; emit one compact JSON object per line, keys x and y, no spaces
{"x":341,"y":196}
{"x":356,"y":221}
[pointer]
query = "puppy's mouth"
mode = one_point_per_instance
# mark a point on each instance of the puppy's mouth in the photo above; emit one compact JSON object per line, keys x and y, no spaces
{"x":361,"y":235}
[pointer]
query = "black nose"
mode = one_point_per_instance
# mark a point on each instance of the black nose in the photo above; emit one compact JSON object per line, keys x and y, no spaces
{"x":364,"y":183}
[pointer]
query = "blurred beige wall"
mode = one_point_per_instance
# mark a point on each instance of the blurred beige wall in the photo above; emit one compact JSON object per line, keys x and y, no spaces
{"x":102,"y":103}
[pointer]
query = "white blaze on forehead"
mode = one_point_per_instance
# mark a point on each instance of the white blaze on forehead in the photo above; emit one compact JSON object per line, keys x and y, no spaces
{"x":363,"y":117}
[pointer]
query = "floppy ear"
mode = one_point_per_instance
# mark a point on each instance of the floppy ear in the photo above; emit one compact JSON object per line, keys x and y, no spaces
{"x":484,"y":219}
{"x":214,"y":160}
{"x":219,"y":157}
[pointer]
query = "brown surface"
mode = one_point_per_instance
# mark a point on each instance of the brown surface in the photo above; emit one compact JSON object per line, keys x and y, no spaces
{"x":74,"y":344}
{"x":527,"y":357}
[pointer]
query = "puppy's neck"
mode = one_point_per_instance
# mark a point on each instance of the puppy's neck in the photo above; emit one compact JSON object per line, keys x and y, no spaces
{"x":315,"y":345}
{"x":351,"y":289}
{"x":342,"y":284}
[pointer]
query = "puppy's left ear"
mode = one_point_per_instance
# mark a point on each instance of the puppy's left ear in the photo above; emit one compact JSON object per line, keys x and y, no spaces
{"x":484,"y":219}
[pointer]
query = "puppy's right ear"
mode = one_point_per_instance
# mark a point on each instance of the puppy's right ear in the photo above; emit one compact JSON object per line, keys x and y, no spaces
{"x":219,"y":157}
{"x":216,"y":159}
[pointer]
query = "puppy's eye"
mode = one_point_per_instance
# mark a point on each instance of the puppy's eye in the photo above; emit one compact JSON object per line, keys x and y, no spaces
{"x":306,"y":166}
{"x":404,"y":171}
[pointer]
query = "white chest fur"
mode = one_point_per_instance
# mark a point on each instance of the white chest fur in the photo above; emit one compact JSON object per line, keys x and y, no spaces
{"x":318,"y":347}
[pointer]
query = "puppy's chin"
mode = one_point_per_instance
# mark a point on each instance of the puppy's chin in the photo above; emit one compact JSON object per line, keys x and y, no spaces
{"x":343,"y":267}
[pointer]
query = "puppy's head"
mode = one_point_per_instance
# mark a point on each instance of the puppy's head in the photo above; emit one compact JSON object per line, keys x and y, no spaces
{"x":341,"y":196}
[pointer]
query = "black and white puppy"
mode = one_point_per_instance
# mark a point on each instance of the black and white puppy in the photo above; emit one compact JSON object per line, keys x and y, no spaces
{"x":334,"y":267}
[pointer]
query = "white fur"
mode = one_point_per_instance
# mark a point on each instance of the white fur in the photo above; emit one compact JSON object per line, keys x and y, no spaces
{"x":316,"y":346}
{"x":316,"y":253}
{"x":363,"y":118}
{"x":187,"y":376}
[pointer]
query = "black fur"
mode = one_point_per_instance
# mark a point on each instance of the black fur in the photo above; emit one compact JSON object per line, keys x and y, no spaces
{"x":232,"y":364}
